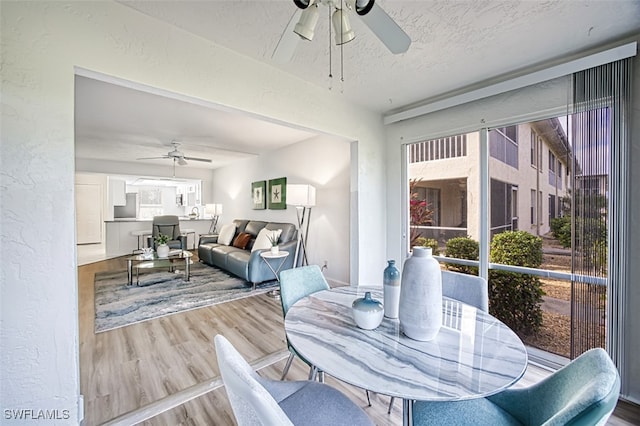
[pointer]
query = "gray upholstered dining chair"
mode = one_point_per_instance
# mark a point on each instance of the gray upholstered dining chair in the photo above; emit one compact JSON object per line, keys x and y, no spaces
{"x":168,"y":225}
{"x":583,"y":392}
{"x":256,"y":400}
{"x":469,"y":289}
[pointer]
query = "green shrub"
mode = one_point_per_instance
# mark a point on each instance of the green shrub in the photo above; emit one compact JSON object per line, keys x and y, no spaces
{"x":462,"y":248}
{"x":515,"y":298}
{"x":429,"y":242}
{"x":561,"y":230}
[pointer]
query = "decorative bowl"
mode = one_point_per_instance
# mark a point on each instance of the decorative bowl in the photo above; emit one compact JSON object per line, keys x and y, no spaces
{"x":367,"y":312}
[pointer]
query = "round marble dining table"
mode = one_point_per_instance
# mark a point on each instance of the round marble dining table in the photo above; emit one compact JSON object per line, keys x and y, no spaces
{"x":474,"y":354}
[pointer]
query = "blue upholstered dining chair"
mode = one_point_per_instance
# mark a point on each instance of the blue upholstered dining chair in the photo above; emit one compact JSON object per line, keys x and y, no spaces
{"x":584,"y":392}
{"x":294,"y":285}
{"x":469,"y":289}
{"x":256,"y":400}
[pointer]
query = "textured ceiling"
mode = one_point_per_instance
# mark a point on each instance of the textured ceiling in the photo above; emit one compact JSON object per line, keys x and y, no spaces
{"x":455,"y":44}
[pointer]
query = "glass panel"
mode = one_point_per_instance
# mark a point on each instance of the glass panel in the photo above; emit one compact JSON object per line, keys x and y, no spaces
{"x":438,"y":185}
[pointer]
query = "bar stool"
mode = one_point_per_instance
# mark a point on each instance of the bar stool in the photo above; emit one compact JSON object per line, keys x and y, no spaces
{"x":140,"y":235}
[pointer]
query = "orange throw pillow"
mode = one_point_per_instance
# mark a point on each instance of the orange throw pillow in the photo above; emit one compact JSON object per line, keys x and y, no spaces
{"x":242,"y":240}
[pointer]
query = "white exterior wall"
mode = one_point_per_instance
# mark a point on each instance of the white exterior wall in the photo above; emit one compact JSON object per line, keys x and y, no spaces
{"x":42,"y":42}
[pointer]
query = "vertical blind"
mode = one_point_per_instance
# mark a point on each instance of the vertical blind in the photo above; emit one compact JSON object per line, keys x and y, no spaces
{"x":599,"y":204}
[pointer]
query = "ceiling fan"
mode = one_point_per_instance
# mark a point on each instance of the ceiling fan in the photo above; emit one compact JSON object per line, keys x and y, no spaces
{"x":177,"y":156}
{"x":303,"y":22}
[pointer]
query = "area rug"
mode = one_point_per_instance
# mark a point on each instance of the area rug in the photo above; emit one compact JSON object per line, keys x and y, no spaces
{"x":163,"y":293}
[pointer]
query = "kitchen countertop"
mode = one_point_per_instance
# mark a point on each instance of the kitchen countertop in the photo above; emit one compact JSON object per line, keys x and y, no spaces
{"x":124,"y":219}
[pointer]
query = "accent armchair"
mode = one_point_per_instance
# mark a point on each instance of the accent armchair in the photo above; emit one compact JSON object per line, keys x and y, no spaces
{"x":168,"y":225}
{"x":256,"y":400}
{"x":584,"y":392}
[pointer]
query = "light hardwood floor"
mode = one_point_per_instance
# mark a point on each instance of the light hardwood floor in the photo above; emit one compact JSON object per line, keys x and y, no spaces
{"x":131,"y":367}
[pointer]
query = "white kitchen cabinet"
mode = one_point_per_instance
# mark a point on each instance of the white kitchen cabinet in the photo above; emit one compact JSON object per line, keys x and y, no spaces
{"x":117,"y":192}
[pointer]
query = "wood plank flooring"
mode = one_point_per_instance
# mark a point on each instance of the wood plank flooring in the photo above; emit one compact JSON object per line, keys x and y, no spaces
{"x":131,"y":367}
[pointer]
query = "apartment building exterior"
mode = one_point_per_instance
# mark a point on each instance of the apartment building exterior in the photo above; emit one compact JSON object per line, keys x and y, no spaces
{"x":529,"y":176}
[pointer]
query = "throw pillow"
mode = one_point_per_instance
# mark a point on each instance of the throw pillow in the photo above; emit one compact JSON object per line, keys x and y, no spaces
{"x":226,"y":234}
{"x":242,"y":240}
{"x":262,"y":240}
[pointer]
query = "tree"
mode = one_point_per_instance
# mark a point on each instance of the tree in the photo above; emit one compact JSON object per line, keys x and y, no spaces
{"x":419,"y":213}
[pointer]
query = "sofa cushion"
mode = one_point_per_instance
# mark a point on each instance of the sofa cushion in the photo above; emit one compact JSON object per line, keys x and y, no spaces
{"x":240,"y":224}
{"x":288,"y":230}
{"x":227,"y":232}
{"x":242,"y":240}
{"x":254,"y":227}
{"x":263,"y":239}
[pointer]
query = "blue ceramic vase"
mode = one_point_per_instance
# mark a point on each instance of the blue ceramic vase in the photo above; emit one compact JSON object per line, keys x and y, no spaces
{"x":367,"y":312}
{"x":391,"y":288}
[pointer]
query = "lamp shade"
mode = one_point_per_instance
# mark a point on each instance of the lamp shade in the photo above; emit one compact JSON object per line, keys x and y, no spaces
{"x":213,"y":209}
{"x":301,"y":195}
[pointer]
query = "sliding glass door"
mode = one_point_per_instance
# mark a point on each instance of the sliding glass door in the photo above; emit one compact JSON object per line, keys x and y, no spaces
{"x":546,"y":226}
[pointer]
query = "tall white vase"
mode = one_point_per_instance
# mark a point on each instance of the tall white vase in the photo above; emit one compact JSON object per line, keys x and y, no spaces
{"x":421,"y":296}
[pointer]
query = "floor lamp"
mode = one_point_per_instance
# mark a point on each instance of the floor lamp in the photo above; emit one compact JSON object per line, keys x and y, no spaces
{"x":303,"y":197}
{"x":215,"y":210}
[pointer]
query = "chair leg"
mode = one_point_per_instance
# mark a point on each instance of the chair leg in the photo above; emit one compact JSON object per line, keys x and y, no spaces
{"x":321,"y":376}
{"x":391,"y":404}
{"x":313,"y":373}
{"x":368,"y":400}
{"x":287,"y":365}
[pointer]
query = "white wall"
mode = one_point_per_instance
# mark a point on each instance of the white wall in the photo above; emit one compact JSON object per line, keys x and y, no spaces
{"x":323,"y":162}
{"x":42,"y":42}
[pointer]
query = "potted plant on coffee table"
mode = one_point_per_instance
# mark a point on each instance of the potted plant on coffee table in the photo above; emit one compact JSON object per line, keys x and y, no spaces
{"x":273,"y":239}
{"x":161,"y":245}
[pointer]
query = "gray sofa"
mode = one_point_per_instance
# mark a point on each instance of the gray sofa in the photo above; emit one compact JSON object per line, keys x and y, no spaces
{"x":243,"y":262}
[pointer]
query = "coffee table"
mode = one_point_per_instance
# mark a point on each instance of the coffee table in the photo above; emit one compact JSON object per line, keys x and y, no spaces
{"x":140,"y":261}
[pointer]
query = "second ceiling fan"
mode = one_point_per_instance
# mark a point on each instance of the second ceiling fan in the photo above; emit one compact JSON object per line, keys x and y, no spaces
{"x":303,"y":22}
{"x":177,"y":156}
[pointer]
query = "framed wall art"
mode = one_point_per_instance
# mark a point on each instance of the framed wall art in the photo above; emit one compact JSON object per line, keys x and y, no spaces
{"x":277,"y":194}
{"x":258,"y":195}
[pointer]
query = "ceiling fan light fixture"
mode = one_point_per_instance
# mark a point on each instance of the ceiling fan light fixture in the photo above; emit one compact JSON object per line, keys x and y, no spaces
{"x":303,"y":4}
{"x":363,"y":6}
{"x":182,"y":161}
{"x":307,"y":23}
{"x":342,"y":27}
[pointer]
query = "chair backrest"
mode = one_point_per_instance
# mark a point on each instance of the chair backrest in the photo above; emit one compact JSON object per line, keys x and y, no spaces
{"x":167,"y":225}
{"x":251,"y":403}
{"x":583,"y":392}
{"x":299,"y":282}
{"x":469,"y":289}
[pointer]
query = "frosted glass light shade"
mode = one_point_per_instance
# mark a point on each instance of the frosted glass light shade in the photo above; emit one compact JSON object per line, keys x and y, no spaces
{"x":301,"y":195}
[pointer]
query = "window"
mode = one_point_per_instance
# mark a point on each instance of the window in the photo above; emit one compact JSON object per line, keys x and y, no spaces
{"x":503,"y":145}
{"x":150,"y":202}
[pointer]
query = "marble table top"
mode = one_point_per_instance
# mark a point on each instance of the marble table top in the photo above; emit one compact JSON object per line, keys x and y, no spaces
{"x":473,"y":355}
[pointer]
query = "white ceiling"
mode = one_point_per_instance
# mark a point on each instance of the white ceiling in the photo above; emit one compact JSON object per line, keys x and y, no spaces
{"x":455,"y":44}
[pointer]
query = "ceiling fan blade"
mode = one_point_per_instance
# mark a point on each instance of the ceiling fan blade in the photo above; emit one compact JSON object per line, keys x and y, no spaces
{"x":153,"y":158}
{"x":206,"y":160}
{"x":288,"y":41}
{"x":387,"y":30}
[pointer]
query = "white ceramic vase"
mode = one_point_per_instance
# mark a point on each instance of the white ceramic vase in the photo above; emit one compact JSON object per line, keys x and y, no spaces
{"x":162,"y":250}
{"x":275,"y":249}
{"x":420,"y":311}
